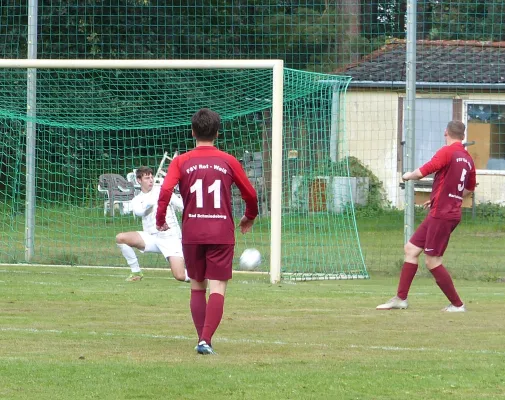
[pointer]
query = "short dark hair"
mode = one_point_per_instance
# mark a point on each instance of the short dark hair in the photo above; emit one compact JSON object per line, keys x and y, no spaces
{"x":205,"y":124}
{"x":456,"y":129}
{"x":141,"y":171}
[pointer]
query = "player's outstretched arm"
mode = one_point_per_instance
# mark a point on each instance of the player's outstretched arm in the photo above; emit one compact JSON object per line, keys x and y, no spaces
{"x":412,"y":176}
{"x":441,"y":158}
{"x":245,"y":224}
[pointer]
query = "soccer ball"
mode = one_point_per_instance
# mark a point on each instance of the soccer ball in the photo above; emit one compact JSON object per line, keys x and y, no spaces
{"x":250,"y":259}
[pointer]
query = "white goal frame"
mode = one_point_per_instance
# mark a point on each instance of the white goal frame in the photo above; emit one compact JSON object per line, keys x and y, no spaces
{"x":277,"y":67}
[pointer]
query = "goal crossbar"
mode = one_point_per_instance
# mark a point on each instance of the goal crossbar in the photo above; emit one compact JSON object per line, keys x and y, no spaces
{"x":140,"y":64}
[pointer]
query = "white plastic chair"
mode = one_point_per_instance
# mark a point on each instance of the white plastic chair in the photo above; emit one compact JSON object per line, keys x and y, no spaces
{"x":161,"y":173}
{"x":117,"y":191}
{"x":132,"y":177}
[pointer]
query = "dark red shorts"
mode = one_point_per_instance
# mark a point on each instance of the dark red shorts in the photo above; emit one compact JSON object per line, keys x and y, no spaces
{"x":209,"y":261}
{"x":433,"y":235}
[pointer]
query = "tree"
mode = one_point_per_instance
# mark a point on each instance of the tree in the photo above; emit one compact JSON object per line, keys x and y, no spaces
{"x":370,"y":25}
{"x":467,"y":20}
{"x":13,"y":29}
{"x":382,"y":19}
{"x":424,"y":9}
{"x":347,"y":40}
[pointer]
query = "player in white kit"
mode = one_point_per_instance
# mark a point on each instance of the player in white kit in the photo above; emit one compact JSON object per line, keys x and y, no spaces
{"x":150,"y":240}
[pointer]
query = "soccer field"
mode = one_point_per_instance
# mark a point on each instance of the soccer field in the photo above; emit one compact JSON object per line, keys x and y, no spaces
{"x":82,"y":333}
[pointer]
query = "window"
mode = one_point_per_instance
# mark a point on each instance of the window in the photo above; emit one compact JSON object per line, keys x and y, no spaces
{"x":432,"y":116}
{"x":485,"y":134}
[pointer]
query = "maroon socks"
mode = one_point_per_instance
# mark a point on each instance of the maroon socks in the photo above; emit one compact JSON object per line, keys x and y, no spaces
{"x":444,"y":282}
{"x":198,"y":306}
{"x":406,"y":277}
{"x":213,"y":316}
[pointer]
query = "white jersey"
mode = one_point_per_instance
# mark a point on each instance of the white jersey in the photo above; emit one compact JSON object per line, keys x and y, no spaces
{"x":145,"y":205}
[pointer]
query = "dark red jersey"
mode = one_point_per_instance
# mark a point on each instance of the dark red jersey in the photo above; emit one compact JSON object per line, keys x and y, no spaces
{"x":455,"y":171}
{"x":205,"y":176}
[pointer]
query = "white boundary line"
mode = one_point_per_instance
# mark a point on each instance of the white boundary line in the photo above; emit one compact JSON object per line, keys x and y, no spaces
{"x":167,"y":269}
{"x":426,"y":349}
{"x":251,"y":341}
{"x":71,"y":266}
{"x":163,"y":269}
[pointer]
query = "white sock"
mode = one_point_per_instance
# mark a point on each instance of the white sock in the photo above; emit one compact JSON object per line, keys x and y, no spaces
{"x":131,"y":257}
{"x":186,"y":279}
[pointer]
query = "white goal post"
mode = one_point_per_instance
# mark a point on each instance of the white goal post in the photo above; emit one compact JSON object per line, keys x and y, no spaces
{"x":277,"y":67}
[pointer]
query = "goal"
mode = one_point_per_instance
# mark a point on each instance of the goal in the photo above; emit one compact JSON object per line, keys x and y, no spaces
{"x":66,"y":122}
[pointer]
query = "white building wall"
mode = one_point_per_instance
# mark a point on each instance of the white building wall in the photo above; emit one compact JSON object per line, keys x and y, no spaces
{"x":372,"y":137}
{"x":371,"y":128}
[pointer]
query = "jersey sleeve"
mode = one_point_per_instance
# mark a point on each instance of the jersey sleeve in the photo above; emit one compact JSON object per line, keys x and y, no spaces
{"x":171,"y":179}
{"x":247,"y":190}
{"x":438,"y":161}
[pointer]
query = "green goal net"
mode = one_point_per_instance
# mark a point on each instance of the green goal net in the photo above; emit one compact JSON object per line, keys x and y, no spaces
{"x":90,"y":122}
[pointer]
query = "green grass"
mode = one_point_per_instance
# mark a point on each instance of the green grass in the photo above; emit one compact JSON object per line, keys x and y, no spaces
{"x":82,"y":333}
{"x":475,"y":250}
{"x":318,"y":242}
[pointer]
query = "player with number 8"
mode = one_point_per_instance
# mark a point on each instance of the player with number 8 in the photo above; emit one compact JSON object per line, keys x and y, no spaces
{"x":205,"y":176}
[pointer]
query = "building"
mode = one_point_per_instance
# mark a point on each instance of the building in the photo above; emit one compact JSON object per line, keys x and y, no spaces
{"x":462,"y":80}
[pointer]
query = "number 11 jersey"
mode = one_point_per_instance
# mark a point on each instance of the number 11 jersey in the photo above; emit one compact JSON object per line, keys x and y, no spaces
{"x":205,"y":176}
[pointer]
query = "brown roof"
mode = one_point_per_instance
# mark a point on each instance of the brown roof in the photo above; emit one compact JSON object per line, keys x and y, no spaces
{"x":438,"y":62}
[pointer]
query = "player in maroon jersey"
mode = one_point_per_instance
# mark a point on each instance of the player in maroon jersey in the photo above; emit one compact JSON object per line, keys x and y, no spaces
{"x":205,"y":176}
{"x":454,"y":179}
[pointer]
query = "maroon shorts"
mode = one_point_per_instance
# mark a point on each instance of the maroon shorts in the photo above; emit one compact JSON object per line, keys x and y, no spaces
{"x":209,"y":261}
{"x":433,"y":235}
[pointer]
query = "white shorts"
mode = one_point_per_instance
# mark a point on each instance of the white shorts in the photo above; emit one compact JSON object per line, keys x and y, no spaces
{"x":161,"y":242}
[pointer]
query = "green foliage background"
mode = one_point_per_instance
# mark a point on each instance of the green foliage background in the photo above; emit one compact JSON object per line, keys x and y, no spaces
{"x":313,"y":35}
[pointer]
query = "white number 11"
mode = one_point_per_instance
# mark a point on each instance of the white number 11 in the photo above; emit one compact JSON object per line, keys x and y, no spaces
{"x":198,"y":188}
